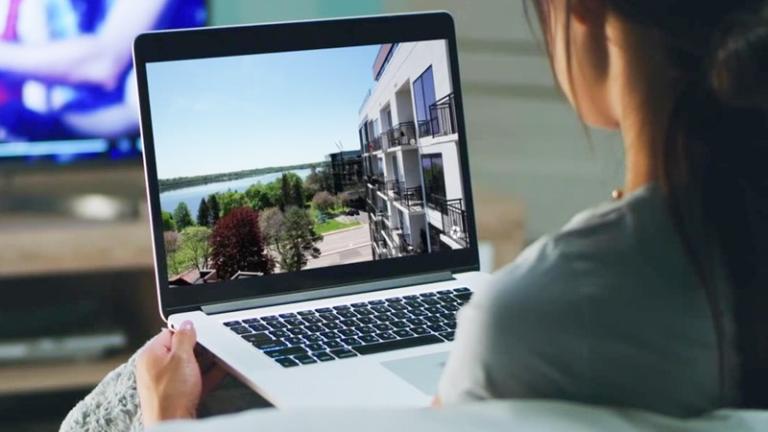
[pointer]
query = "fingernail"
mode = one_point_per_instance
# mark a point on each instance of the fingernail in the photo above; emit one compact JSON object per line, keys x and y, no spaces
{"x":187,"y":325}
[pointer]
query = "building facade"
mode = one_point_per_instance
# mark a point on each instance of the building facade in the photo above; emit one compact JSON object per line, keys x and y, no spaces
{"x":410,"y":146}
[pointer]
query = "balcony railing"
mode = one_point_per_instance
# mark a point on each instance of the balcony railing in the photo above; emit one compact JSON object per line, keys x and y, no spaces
{"x":425,"y":128}
{"x":409,"y":197}
{"x":454,"y":218}
{"x":402,"y":134}
{"x":375,"y":144}
{"x":405,"y":244}
{"x":442,"y":116}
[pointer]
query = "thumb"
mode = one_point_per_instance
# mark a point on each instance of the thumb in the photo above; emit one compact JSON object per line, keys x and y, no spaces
{"x":184,"y":339}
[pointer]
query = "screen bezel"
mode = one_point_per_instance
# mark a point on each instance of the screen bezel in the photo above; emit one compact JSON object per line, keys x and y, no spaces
{"x":20,"y":164}
{"x":295,"y":36}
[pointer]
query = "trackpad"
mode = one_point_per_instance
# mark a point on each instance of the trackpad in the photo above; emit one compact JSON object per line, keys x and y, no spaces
{"x":422,"y":372}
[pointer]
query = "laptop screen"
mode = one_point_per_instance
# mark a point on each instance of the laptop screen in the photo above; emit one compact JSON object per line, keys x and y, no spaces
{"x":291,"y":161}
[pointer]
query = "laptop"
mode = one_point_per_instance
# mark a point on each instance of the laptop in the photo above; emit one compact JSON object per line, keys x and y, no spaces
{"x":310,"y":201}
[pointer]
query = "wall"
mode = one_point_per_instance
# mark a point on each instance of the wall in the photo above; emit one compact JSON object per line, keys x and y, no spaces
{"x":527,"y":148}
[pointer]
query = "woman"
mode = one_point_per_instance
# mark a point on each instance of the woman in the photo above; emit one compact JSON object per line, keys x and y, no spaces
{"x":656,"y":300}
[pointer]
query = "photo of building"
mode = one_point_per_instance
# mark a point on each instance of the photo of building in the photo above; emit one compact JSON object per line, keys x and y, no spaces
{"x":410,"y":145}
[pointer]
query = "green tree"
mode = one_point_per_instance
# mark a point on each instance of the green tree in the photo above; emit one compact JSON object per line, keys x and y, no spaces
{"x":195,"y":242}
{"x":272,"y":190}
{"x":168,"y":223}
{"x":297,"y":193}
{"x":271,"y":223}
{"x":258,"y":198}
{"x":215,"y":209}
{"x":285,"y":192}
{"x":231,"y":200}
{"x":297,"y":240}
{"x":182,"y":217}
{"x":313,"y":183}
{"x":238,"y":245}
{"x":203,"y":213}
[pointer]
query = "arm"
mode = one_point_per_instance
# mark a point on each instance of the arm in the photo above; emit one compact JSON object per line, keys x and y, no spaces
{"x":93,"y":59}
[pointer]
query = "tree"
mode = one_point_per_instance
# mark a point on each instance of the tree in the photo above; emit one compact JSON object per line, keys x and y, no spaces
{"x":285,"y":192}
{"x":271,"y":222}
{"x":203,"y":213}
{"x":237,"y":245}
{"x":297,"y":193}
{"x":258,"y":198}
{"x":297,"y":239}
{"x":168,"y":223}
{"x":194,"y":241}
{"x":313,"y":183}
{"x":182,"y":217}
{"x":323,"y":202}
{"x":215,"y":209}
{"x":231,"y":200}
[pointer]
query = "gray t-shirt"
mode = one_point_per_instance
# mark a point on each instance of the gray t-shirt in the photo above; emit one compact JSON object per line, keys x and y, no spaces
{"x":608,"y":311}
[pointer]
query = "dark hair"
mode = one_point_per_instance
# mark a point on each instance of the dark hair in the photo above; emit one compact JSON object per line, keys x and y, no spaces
{"x":714,"y":163}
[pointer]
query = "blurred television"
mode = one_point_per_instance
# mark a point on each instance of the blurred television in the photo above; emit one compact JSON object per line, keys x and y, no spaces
{"x":67,"y":85}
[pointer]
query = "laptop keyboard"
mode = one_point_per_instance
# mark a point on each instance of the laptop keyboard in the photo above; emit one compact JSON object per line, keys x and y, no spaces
{"x":350,"y":330}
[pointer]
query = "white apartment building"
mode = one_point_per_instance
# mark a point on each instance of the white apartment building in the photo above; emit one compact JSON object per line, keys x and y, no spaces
{"x":409,"y":141}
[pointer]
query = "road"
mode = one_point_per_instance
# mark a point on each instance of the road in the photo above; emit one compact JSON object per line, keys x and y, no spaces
{"x":343,"y":247}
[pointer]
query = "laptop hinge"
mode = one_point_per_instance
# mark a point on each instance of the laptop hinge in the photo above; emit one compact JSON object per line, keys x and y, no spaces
{"x":326,"y":293}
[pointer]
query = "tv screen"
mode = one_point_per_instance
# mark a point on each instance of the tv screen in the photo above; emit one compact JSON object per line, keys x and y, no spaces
{"x":67,"y":85}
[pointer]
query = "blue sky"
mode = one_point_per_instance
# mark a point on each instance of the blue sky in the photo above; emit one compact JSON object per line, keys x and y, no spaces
{"x":235,"y":113}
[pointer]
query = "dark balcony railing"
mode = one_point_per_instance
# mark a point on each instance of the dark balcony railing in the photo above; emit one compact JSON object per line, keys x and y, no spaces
{"x":409,"y":197}
{"x":454,"y":218}
{"x":374,"y":144}
{"x":425,"y":128}
{"x":442,"y":116}
{"x":402,"y":134}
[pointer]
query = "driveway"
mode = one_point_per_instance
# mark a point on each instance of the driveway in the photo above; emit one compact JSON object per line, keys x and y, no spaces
{"x":344,"y":247}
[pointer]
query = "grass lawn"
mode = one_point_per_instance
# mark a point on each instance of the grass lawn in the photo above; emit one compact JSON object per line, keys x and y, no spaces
{"x":333,"y":225}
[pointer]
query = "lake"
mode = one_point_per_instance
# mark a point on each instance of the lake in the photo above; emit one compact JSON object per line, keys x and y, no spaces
{"x":193,"y":194}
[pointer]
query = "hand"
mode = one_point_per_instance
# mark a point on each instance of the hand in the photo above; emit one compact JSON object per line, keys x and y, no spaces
{"x":170,"y":378}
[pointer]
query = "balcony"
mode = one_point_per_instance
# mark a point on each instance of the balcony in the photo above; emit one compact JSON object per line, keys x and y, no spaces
{"x":402,"y":134}
{"x":409,"y":197}
{"x":425,"y":129}
{"x":405,"y":245}
{"x":454,"y":218}
{"x":442,"y":117}
{"x":374,"y":144}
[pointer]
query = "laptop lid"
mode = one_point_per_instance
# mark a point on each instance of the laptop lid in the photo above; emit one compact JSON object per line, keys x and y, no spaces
{"x":300,"y":157}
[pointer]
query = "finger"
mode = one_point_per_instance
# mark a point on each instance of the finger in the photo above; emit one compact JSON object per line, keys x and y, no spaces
{"x":184,"y":340}
{"x":160,"y":343}
{"x":212,"y":377}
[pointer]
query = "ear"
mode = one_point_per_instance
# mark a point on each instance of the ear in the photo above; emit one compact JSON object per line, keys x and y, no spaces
{"x":590,"y":13}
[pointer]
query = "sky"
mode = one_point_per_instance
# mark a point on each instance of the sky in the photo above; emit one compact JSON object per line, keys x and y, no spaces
{"x":236,"y":113}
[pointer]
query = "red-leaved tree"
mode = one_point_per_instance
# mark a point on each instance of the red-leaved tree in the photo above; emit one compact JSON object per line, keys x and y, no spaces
{"x":237,"y":245}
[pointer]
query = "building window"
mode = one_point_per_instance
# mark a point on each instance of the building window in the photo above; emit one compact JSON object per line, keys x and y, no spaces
{"x":423,"y":97}
{"x":434,"y":178}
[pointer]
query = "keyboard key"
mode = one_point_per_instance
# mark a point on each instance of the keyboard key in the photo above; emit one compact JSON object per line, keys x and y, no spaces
{"x":362,"y":312}
{"x":444,"y":292}
{"x":451,"y":307}
{"x":257,"y":337}
{"x":287,"y":352}
{"x":305,"y":359}
{"x":294,"y":340}
{"x":333,"y":344}
{"x":400,"y":315}
{"x":376,"y":302}
{"x":270,"y":318}
{"x":313,"y":338}
{"x":394,"y":300}
{"x":437,"y":328}
{"x":269,"y":345}
{"x":232,"y":323}
{"x":447,"y":335}
{"x":382,"y":327}
{"x":305,"y":313}
{"x":384,"y":318}
{"x":315,"y":347}
{"x":351,"y":341}
{"x":386,"y":336}
{"x":431,"y":302}
{"x":314,"y":328}
{"x":433,"y":319}
{"x":286,"y":362}
{"x":399,"y":324}
{"x":381,"y":309}
{"x":323,"y":356}
{"x":398,"y":306}
{"x":348,"y":332}
{"x":448,"y":299}
{"x":410,"y":297}
{"x":427,"y":295}
{"x":279,"y":334}
{"x":397,"y":344}
{"x":241,"y":330}
{"x":287,"y":315}
{"x":312,"y":319}
{"x":329,"y":317}
{"x":323,"y":310}
{"x":450,"y":324}
{"x":420,"y":331}
{"x":258,"y":327}
{"x":298,"y":331}
{"x":365,"y":330}
{"x":330,"y":335}
{"x":463,"y":296}
{"x":347,"y":314}
{"x":368,"y":339}
{"x":277,"y":325}
{"x":416,"y":322}
{"x":448,"y":316}
{"x":294,"y":322}
{"x":434,"y":310}
{"x":418,"y":313}
{"x":403,"y":333}
{"x":462,"y":290}
{"x":349,"y":323}
{"x":341,"y":308}
{"x":366,"y":320}
{"x":333,"y":325}
{"x":343,"y":353}
{"x":359,"y":305}
{"x":413,"y":304}
{"x":251,"y":321}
